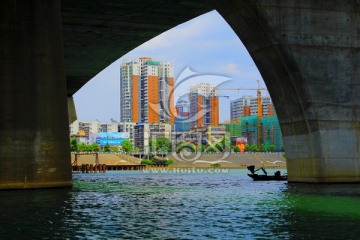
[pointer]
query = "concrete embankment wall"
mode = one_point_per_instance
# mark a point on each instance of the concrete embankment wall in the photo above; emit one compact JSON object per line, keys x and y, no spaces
{"x":233,"y":160}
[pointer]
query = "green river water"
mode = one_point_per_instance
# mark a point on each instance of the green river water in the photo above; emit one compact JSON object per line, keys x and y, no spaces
{"x":181,"y":205}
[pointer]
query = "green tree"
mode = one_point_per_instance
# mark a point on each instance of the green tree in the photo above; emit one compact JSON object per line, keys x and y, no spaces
{"x":94,"y":147}
{"x":236,"y":149}
{"x":168,"y":162}
{"x":164,"y":149}
{"x":164,"y":144}
{"x":82,"y":147}
{"x":271,"y":148}
{"x":153,"y":144}
{"x":147,"y":162}
{"x":262,"y":148}
{"x":226,"y":144}
{"x":127,"y":146}
{"x":254,"y":148}
{"x":160,"y":143}
{"x":137,"y":149}
{"x":74,"y":144}
{"x":107,"y":147}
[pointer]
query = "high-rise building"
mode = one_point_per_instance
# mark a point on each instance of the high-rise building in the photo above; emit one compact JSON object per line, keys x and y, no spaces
{"x":204,"y":105}
{"x":146,"y":91}
{"x":130,"y":86}
{"x":248,"y":106}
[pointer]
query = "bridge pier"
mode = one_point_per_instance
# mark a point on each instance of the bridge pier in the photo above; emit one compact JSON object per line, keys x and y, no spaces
{"x":328,"y":153}
{"x":307,"y":53}
{"x":34,"y":144}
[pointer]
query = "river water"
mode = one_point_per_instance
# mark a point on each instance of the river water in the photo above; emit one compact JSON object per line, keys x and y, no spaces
{"x":181,"y":205}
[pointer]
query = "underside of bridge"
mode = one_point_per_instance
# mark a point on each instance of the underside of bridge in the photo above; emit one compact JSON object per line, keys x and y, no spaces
{"x":306,"y":51}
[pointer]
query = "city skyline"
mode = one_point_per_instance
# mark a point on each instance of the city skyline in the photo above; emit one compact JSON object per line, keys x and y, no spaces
{"x":205,"y":47}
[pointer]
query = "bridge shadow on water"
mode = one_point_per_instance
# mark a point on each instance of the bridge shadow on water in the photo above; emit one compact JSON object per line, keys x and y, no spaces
{"x":34,"y":214}
{"x":320,"y":211}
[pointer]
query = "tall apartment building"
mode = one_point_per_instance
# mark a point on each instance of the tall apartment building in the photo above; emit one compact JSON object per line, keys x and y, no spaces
{"x":146,"y":91}
{"x":248,"y":106}
{"x":204,"y":105}
{"x":130,"y":91}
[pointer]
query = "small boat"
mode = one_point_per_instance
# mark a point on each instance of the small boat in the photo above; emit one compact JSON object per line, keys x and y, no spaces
{"x":264,"y":177}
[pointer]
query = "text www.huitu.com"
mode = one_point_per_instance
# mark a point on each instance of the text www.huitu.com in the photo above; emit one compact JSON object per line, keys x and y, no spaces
{"x":187,"y":171}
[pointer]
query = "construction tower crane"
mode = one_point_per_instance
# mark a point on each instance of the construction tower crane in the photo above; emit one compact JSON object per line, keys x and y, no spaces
{"x":260,"y":114}
{"x":259,"y":99}
{"x":222,"y":96}
{"x":259,"y":107}
{"x":238,"y":89}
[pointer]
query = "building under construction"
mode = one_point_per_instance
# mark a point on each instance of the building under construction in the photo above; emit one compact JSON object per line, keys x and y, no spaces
{"x":265,"y":130}
{"x":255,"y":119}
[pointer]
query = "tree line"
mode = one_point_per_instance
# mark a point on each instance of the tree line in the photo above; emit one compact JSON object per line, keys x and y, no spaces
{"x":163,"y":144}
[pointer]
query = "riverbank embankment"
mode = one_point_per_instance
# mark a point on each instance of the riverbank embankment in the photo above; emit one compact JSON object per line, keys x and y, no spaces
{"x":195,"y":160}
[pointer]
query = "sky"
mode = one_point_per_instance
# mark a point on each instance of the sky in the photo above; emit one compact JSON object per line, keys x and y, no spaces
{"x":204,"y":49}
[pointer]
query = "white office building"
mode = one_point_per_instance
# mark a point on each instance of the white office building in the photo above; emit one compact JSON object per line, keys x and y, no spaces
{"x":248,"y":106}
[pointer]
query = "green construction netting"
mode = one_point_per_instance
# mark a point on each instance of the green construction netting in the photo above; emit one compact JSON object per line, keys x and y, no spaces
{"x":248,"y":127}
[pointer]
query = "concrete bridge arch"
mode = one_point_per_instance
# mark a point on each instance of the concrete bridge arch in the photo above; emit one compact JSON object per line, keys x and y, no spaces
{"x":306,"y":51}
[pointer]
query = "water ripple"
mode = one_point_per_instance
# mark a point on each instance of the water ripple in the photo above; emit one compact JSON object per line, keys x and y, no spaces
{"x":136,"y":205}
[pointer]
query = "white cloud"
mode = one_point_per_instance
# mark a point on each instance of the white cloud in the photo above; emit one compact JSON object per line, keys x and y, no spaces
{"x":230,"y":68}
{"x":186,"y":34}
